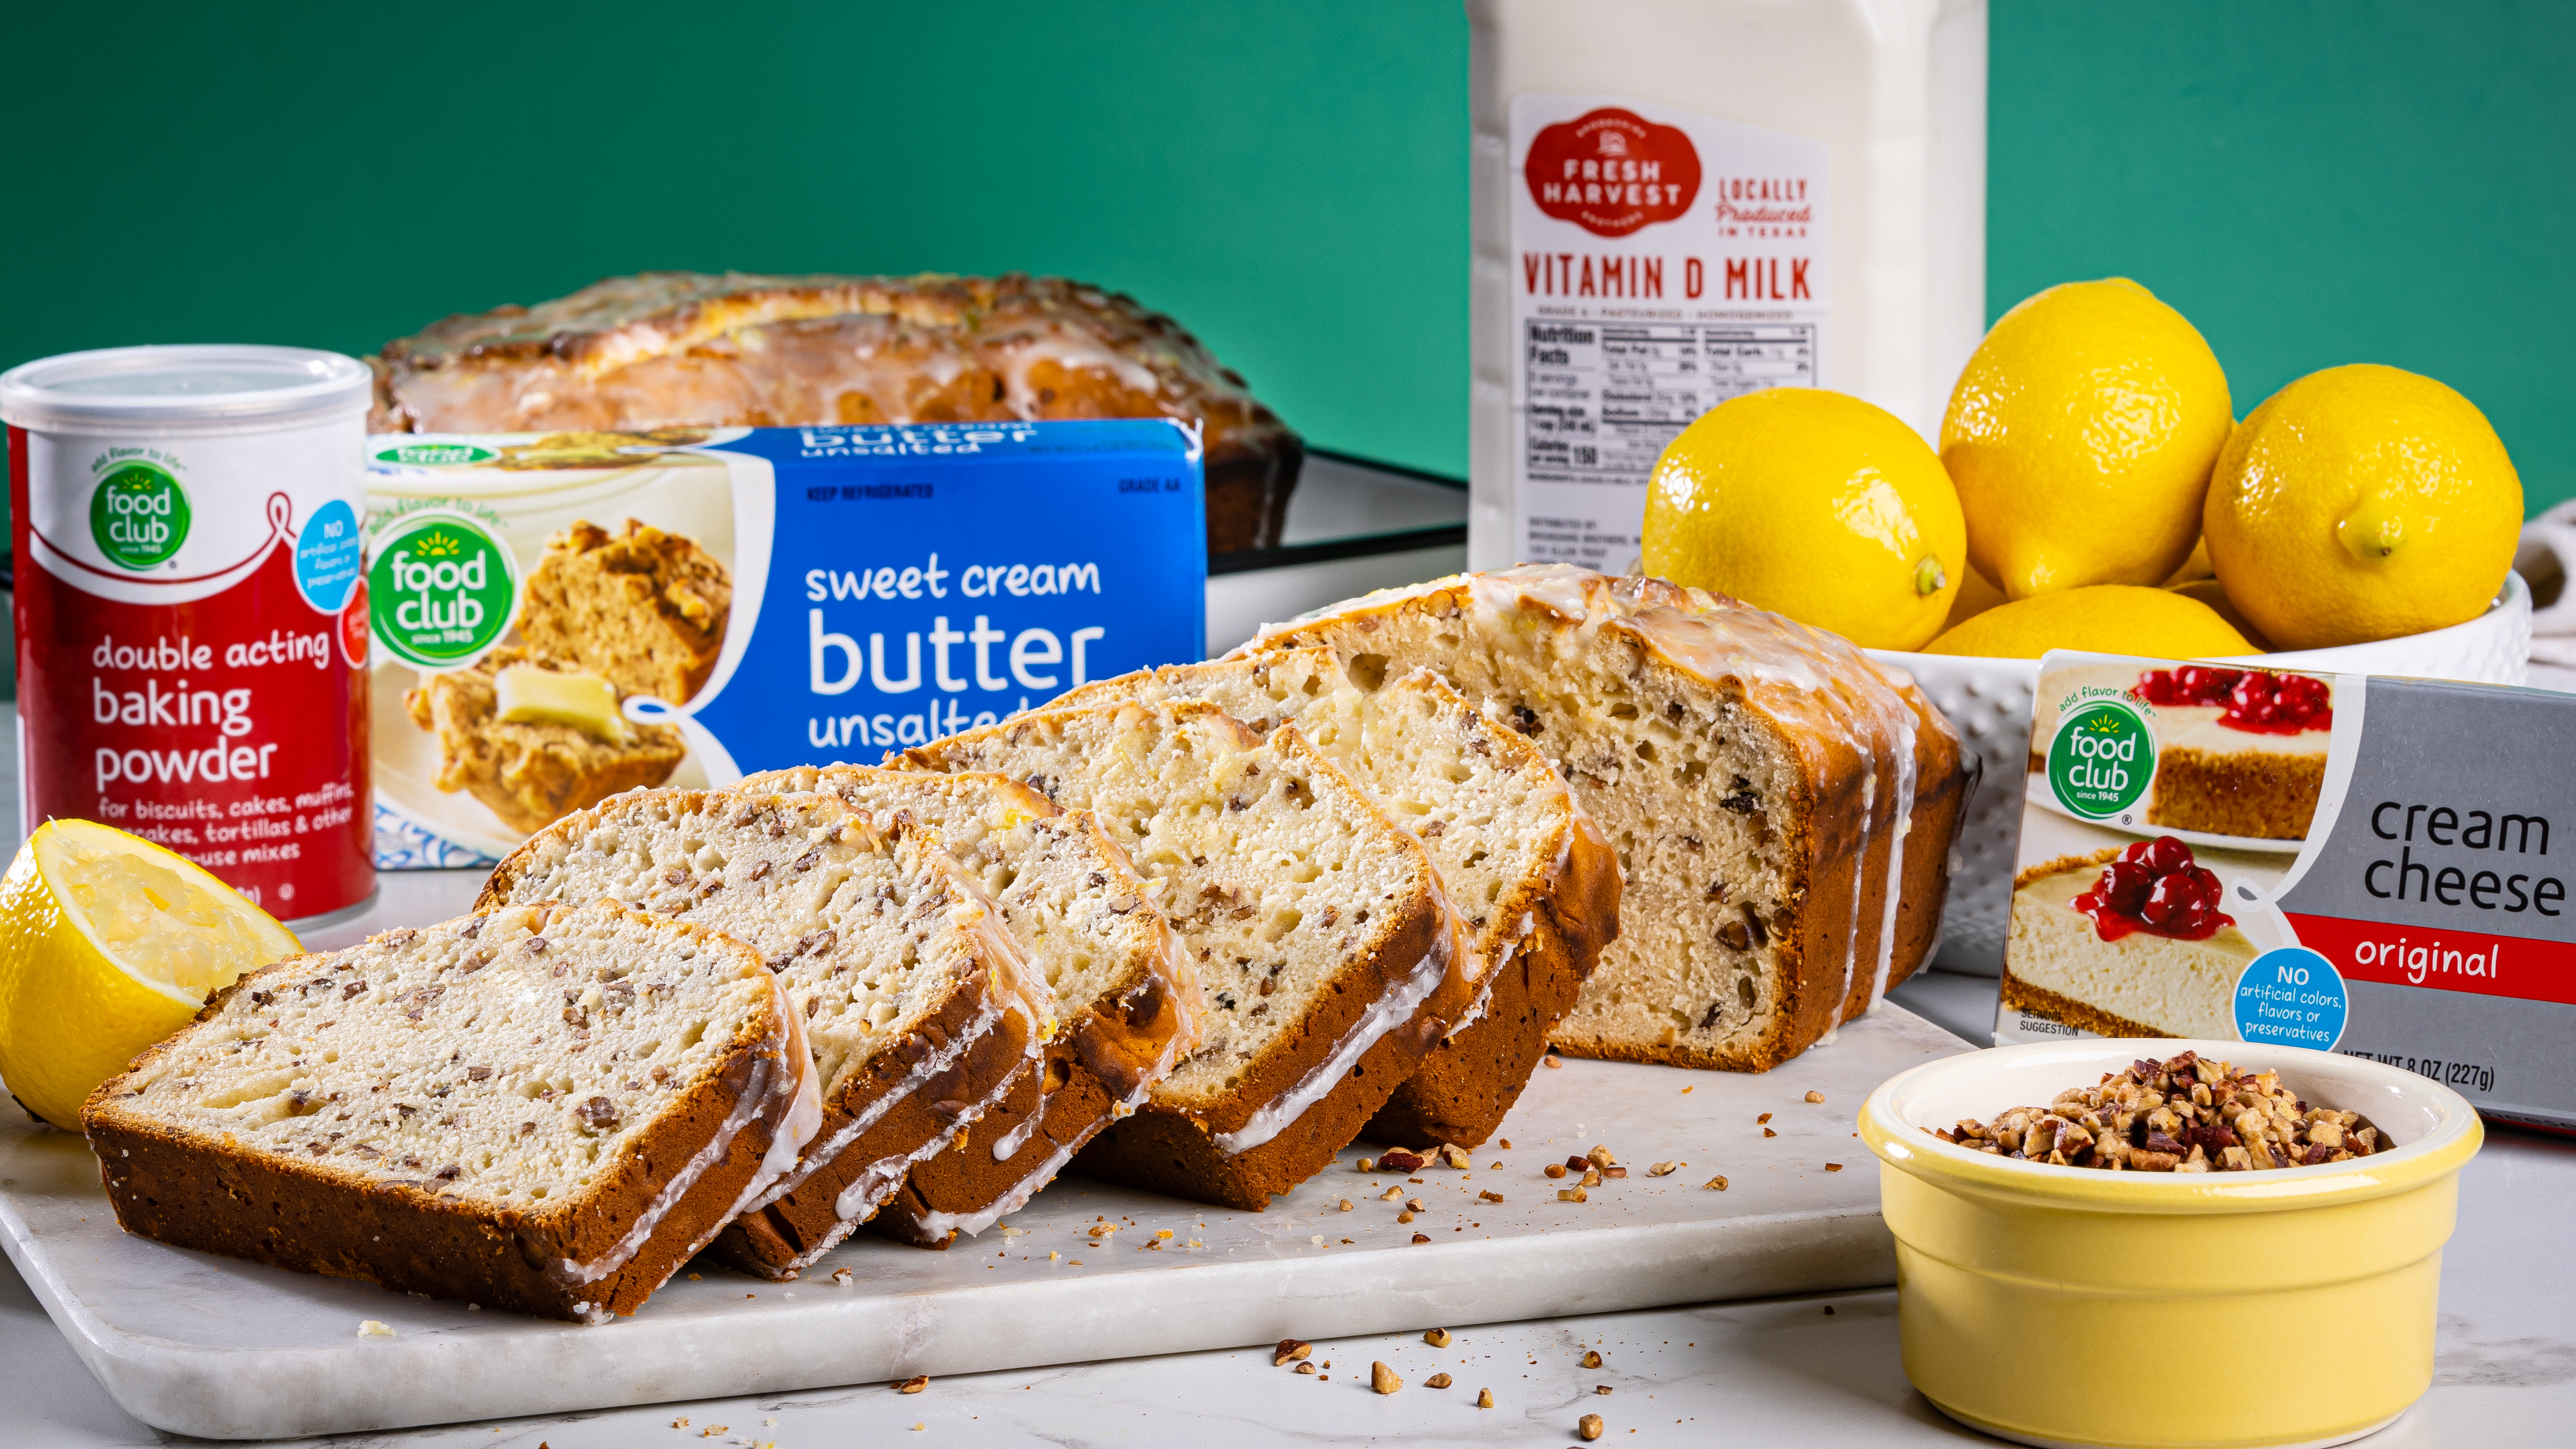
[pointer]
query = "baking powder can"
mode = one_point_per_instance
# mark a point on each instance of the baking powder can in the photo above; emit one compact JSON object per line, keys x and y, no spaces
{"x":192,"y":609}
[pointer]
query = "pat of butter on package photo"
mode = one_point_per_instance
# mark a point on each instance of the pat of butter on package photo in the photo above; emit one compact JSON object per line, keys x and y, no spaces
{"x":557,"y":618}
{"x":2353,"y":863}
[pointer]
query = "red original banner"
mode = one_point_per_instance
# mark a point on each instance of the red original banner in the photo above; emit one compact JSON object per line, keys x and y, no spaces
{"x":2474,"y":962}
{"x":1612,"y":172}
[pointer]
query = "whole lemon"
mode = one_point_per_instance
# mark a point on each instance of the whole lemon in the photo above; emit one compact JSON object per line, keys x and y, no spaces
{"x":2081,"y":437}
{"x":2106,"y":618}
{"x":1976,"y":595}
{"x":2214,"y":594}
{"x":2359,"y":503}
{"x":1815,"y":505}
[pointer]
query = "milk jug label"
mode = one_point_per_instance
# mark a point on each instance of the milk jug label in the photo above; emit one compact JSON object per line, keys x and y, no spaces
{"x":1662,"y":262}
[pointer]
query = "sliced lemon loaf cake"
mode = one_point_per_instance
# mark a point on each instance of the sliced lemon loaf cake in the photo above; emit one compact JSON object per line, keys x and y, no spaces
{"x":1782,"y":805}
{"x":1127,"y":997}
{"x":543,"y":1109}
{"x":1517,"y":857}
{"x":1327,"y":961}
{"x":921,"y":1011}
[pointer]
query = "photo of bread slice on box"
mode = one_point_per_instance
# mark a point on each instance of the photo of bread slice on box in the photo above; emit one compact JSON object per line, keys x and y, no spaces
{"x":536,"y":737}
{"x":540,"y":729}
{"x":644,"y":608}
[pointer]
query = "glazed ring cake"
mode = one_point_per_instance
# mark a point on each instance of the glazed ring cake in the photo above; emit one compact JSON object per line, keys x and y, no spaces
{"x":542,"y":1109}
{"x":1517,"y":857}
{"x":1782,"y":805}
{"x":2081,"y":955}
{"x":921,"y":1012}
{"x":673,"y":349}
{"x":1329,"y":963}
{"x":2238,"y":751}
{"x":1127,"y":995}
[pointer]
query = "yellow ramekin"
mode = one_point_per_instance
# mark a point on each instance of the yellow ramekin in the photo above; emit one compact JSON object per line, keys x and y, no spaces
{"x":2063,"y":1305}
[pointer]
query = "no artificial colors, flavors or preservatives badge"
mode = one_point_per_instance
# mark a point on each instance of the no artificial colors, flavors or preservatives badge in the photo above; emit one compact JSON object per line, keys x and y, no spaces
{"x":2103,"y":759}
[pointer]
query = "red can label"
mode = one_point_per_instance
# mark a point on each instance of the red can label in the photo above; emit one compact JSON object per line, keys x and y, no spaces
{"x":191,"y":620}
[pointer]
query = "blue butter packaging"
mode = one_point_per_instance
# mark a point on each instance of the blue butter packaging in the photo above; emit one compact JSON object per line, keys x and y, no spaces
{"x":560,"y":617}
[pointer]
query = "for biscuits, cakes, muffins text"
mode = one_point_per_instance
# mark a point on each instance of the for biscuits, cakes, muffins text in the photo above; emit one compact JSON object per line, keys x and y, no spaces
{"x":2189,"y":1114}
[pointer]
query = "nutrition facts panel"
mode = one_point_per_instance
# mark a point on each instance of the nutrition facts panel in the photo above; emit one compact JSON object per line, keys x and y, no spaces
{"x":1603,"y":400}
{"x":1600,"y":402}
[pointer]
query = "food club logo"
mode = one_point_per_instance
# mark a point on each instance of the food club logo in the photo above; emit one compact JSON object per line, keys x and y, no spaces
{"x":440,"y":590}
{"x":1612,"y":172}
{"x":138,"y":515}
{"x":2102,"y":760}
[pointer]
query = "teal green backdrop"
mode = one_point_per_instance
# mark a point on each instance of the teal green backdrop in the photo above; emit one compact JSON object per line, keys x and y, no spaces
{"x":2312,"y":183}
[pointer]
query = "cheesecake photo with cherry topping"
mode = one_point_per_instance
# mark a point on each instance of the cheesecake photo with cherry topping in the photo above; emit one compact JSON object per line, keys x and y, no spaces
{"x":2127,"y":941}
{"x":2239,"y":751}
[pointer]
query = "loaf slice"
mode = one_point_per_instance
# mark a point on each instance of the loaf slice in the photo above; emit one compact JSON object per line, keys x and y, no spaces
{"x":1517,"y":857}
{"x":1782,"y":805}
{"x":921,"y":1011}
{"x":1328,"y":963}
{"x":1126,"y":995}
{"x":546,"y":1109}
{"x":532,"y":772}
{"x":645,"y":608}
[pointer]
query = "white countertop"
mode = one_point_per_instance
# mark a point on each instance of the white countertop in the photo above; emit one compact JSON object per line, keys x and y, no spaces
{"x":1774,"y":1371}
{"x":1815,"y":1370}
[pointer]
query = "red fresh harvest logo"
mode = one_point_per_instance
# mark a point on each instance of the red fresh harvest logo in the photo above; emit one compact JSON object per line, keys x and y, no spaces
{"x":1612,"y":172}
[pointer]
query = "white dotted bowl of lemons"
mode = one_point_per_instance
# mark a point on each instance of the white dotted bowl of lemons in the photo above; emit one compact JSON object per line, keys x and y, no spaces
{"x":2094,"y":491}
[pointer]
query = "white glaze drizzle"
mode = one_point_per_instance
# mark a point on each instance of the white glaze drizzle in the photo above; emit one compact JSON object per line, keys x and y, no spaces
{"x":1502,"y":960}
{"x":1384,"y":1015}
{"x":1009,"y":990}
{"x":878,"y":1180}
{"x":804,"y":1115}
{"x":922,"y":1071}
{"x":1008,"y":1145}
{"x":745,"y":1109}
{"x":1905,"y":781}
{"x":868,"y":1191}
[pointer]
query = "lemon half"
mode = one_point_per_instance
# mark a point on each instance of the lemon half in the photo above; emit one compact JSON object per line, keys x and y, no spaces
{"x":109,"y":943}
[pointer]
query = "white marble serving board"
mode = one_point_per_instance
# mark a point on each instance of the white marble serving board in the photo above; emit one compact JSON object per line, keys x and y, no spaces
{"x":204,"y":1345}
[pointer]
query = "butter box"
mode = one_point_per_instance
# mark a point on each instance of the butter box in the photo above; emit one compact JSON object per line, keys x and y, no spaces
{"x":2354,"y":863}
{"x":556,"y":618}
